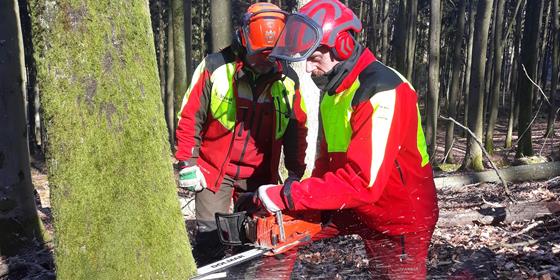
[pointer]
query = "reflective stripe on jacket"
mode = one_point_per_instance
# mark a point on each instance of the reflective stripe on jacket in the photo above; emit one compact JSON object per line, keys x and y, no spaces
{"x":372,"y":154}
{"x":208,"y":119}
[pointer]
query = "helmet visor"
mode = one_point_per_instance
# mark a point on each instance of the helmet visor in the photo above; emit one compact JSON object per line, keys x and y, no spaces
{"x":261,"y":29}
{"x":299,"y":39}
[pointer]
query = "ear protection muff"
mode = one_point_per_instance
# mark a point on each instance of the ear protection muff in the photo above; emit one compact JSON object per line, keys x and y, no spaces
{"x":343,"y":45}
{"x":237,"y":44}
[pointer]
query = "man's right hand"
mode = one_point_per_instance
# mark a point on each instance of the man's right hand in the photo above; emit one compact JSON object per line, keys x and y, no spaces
{"x":192,"y":179}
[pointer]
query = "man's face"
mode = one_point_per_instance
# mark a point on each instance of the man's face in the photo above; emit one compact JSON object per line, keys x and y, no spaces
{"x":259,"y":62}
{"x":320,"y":62}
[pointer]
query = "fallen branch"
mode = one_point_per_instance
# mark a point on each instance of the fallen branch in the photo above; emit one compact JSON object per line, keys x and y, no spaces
{"x":527,"y":229}
{"x":506,"y":189}
{"x":521,"y":173}
{"x":496,"y":215}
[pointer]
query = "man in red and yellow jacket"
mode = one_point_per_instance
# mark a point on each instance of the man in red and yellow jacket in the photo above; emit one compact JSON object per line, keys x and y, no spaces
{"x":238,"y":112}
{"x":372,"y":169}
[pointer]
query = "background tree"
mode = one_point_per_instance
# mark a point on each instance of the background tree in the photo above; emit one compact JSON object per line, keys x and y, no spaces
{"x":19,"y":222}
{"x":112,"y":188}
{"x":221,"y":24}
{"x":525,"y":89}
{"x":458,"y":61}
{"x":473,"y":156}
{"x":434,"y":75}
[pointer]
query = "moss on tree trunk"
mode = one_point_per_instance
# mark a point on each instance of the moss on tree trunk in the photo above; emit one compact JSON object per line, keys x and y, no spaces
{"x":113,"y":194}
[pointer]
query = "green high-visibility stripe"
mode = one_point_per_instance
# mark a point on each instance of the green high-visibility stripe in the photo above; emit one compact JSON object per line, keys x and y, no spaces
{"x":421,"y":141}
{"x":336,"y":111}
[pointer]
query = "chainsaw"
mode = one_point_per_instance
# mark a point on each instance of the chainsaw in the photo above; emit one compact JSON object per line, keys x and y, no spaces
{"x":268,"y":234}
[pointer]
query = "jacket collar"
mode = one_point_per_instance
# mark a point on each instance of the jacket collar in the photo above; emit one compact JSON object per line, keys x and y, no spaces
{"x":365,"y":59}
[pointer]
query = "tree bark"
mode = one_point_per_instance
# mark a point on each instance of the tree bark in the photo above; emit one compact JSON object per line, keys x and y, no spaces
{"x":555,"y":57}
{"x":169,"y":98}
{"x":188,"y":38}
{"x":19,"y":222}
{"x":467,"y":82}
{"x":458,"y":61}
{"x":499,"y":44}
{"x":411,"y":38}
{"x":180,"y":82}
{"x":113,"y":192}
{"x":433,"y":73}
{"x":498,"y":215}
{"x":473,"y":158}
{"x":221,"y":24}
{"x":521,"y":173}
{"x":525,"y":89}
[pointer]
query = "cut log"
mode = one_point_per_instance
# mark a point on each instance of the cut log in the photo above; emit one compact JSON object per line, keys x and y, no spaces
{"x":520,"y":173}
{"x":495,"y":215}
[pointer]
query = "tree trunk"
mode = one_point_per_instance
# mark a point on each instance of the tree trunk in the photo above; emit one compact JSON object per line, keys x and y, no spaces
{"x":525,"y":89}
{"x":433,"y":73}
{"x":467,"y":81}
{"x":514,"y":103}
{"x":169,"y":98}
{"x":188,"y":38}
{"x":112,"y":187}
{"x":221,"y":24}
{"x":411,"y":37}
{"x":373,"y":39}
{"x":385,"y":32}
{"x":521,"y":173}
{"x":500,"y":215}
{"x":458,"y":60}
{"x":555,"y":57}
{"x":400,"y":36}
{"x":19,"y":222}
{"x":499,"y":44}
{"x":180,"y":82}
{"x":473,"y":158}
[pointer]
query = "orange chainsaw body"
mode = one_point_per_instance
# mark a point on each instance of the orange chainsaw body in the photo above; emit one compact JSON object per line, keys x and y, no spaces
{"x":283,"y":231}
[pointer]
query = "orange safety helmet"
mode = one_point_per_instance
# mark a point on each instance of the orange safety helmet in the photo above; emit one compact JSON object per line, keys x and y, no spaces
{"x":262,"y":24}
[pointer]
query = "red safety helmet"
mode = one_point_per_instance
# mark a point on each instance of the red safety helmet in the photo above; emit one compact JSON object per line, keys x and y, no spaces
{"x":319,"y":22}
{"x":261,"y":26}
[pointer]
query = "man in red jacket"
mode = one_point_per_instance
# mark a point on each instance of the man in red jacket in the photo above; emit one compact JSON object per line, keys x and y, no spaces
{"x":372,"y":171}
{"x":238,"y":112}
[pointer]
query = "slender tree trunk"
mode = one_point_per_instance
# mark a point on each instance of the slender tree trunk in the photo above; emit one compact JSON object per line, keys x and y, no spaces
{"x":555,"y":64}
{"x":467,"y":82}
{"x":514,"y":113}
{"x":19,"y":222}
{"x":373,"y":39}
{"x":180,"y":82}
{"x":499,"y":44}
{"x":525,"y":89}
{"x":400,"y":37}
{"x":188,"y":38}
{"x":221,"y":24}
{"x":473,"y":157}
{"x":385,"y":32}
{"x":458,"y":60}
{"x":433,"y":72}
{"x":411,"y":37}
{"x":169,"y":98}
{"x":112,"y":187}
{"x":161,"y":46}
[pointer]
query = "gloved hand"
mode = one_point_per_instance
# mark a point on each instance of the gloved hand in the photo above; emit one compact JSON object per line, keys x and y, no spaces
{"x":270,"y":197}
{"x":192,"y":179}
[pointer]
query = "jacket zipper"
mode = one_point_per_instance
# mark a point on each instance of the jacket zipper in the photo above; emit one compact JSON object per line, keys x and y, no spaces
{"x":400,"y":171}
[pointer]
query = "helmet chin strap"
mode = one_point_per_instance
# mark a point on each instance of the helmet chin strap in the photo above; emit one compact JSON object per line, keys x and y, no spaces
{"x":331,"y":80}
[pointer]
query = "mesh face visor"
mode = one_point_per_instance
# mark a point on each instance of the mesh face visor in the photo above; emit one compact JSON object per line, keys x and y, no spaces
{"x":299,"y":39}
{"x":261,"y":29}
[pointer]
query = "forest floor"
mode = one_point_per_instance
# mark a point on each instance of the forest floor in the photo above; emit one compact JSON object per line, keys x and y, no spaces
{"x":527,"y":249}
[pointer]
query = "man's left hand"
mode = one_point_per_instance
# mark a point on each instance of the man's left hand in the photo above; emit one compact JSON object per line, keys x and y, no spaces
{"x":270,"y":197}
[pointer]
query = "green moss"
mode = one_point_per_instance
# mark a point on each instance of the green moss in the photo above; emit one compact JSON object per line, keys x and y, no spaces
{"x":113,"y":194}
{"x":449,"y":167}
